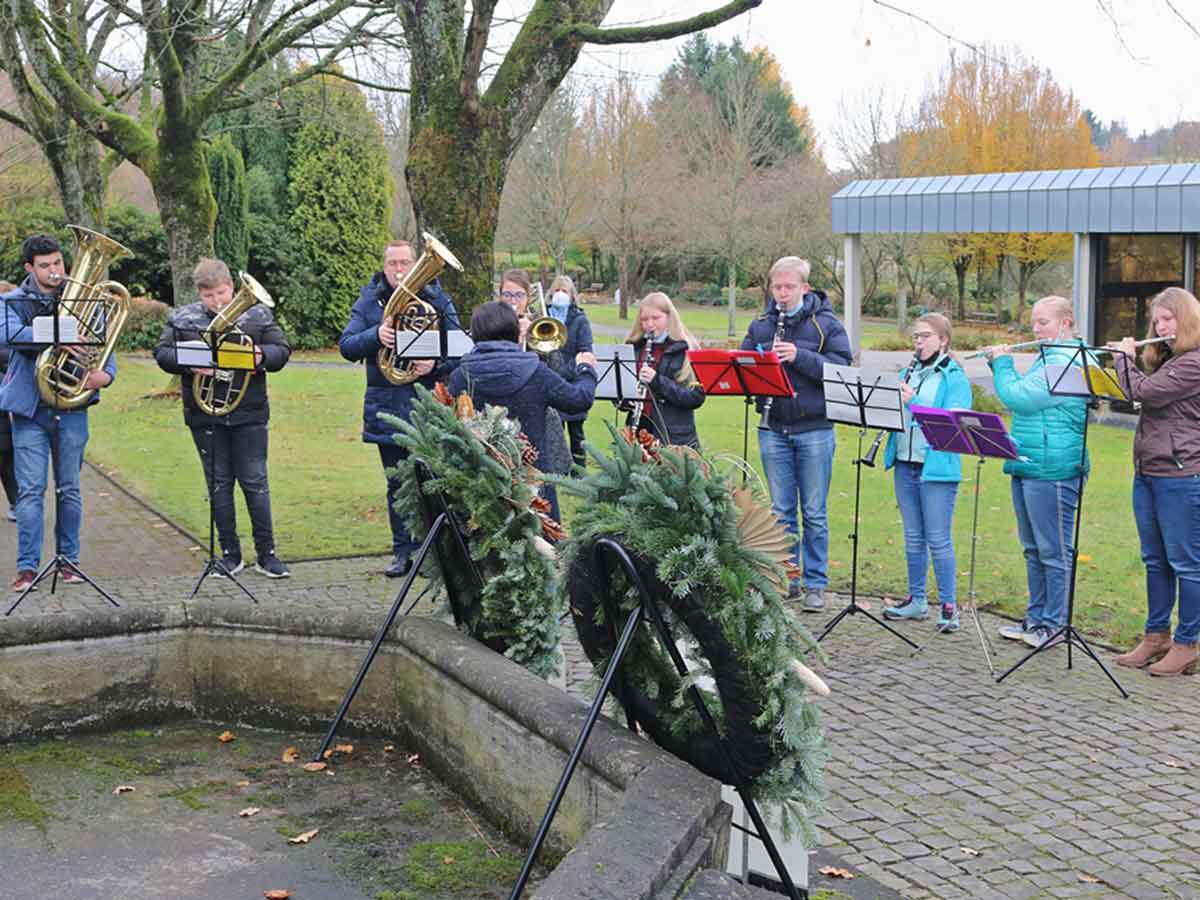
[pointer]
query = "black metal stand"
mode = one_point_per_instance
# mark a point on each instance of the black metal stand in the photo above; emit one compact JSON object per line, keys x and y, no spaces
{"x":852,"y":608}
{"x":437,"y":521}
{"x":647,"y":606}
{"x":984,"y":641}
{"x":1068,"y":634}
{"x":213,"y":565}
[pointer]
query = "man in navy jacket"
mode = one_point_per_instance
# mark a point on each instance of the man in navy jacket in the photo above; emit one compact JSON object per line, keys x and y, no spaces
{"x":364,"y":336}
{"x":797,"y":446}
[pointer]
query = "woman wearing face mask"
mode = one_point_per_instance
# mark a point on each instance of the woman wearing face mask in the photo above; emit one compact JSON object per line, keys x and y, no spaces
{"x":672,"y":394}
{"x":927,"y":480}
{"x":564,"y":306}
{"x":1046,"y":481}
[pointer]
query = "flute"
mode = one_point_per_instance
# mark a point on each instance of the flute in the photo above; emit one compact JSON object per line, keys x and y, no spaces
{"x":1037,"y":343}
{"x":1157,"y":340}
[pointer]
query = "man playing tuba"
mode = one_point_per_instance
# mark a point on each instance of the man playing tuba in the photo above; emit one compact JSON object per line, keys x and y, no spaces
{"x":232,"y":439}
{"x":39,"y":430}
{"x":365,"y":335}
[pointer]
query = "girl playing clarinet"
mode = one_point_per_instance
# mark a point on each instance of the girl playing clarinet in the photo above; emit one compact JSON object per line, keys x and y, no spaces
{"x":672,"y":394}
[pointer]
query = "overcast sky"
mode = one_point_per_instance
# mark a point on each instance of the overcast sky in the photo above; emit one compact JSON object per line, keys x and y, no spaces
{"x":834,"y":50}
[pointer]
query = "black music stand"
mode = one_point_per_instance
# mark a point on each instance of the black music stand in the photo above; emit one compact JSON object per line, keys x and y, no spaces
{"x":741,"y":373}
{"x":618,"y":558}
{"x":616,"y":376}
{"x":462,"y":579}
{"x":1081,"y":376}
{"x":85,"y":336}
{"x":226,"y":362}
{"x":980,"y":434}
{"x":871,"y":403}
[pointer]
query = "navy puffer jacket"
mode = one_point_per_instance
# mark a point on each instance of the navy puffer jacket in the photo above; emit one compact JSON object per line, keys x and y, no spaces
{"x":360,"y":341}
{"x":819,"y":338}
{"x":675,"y":402}
{"x":502,"y":374}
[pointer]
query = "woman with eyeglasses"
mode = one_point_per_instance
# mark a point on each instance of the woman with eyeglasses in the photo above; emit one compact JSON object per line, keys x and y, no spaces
{"x":926,"y":480}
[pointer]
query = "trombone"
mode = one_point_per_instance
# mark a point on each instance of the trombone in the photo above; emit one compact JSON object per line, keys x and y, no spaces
{"x":546,"y":334}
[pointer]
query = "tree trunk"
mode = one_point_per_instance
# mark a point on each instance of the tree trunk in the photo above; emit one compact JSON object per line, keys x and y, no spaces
{"x":732,"y":330}
{"x":185,"y":206}
{"x":902,"y":310}
{"x":960,"y":274}
{"x":623,"y":284}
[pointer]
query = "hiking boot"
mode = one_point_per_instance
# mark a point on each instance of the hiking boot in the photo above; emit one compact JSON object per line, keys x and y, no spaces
{"x":23,"y":580}
{"x":229,"y":565}
{"x":909,"y":609}
{"x":1037,"y":636}
{"x":1015,"y":632}
{"x":814,"y":599}
{"x":1150,"y":649}
{"x":70,"y":575}
{"x":399,"y":567}
{"x":270,"y":566}
{"x":1181,"y":659}
{"x":948,"y":620}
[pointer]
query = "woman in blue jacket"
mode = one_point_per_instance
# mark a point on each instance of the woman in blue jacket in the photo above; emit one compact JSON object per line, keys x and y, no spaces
{"x":926,"y":480}
{"x":1046,"y":480}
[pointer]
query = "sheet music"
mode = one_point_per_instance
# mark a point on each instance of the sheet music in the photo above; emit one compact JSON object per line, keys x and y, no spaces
{"x":68,"y":330}
{"x":193,"y":354}
{"x":428,"y":344}
{"x":613,"y":362}
{"x":1069,"y":381}
{"x":877,"y":389}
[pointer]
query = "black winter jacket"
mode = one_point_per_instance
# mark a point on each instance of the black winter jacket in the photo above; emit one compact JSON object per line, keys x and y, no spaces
{"x":675,"y":402}
{"x":819,"y":338}
{"x":187,"y":323}
{"x":502,"y":374}
{"x":360,"y":341}
{"x":579,"y":340}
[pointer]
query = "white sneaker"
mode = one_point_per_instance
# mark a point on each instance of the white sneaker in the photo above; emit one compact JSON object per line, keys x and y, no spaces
{"x":1015,"y":632}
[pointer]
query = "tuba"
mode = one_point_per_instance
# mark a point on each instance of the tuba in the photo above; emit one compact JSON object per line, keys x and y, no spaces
{"x":546,"y":334}
{"x":408,"y":312}
{"x":99,"y":309}
{"x":220,"y":393}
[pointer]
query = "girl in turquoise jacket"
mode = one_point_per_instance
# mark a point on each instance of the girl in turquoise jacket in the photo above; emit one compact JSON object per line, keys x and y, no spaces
{"x":926,"y":480}
{"x":1048,"y":478}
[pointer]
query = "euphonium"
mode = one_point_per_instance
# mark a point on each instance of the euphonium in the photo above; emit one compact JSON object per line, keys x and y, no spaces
{"x":408,"y":312}
{"x":546,"y":334}
{"x":220,"y":393}
{"x":100,"y":309}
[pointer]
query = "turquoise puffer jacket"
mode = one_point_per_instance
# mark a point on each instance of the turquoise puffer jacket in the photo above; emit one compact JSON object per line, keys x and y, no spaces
{"x":953,"y":392}
{"x":1047,"y":429}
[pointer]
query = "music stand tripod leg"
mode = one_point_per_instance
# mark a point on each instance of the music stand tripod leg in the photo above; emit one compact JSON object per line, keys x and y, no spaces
{"x":214,"y":566}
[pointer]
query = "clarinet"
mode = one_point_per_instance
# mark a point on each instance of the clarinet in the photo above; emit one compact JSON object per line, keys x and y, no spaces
{"x":869,"y":459}
{"x":766,"y":410}
{"x":639,"y":400}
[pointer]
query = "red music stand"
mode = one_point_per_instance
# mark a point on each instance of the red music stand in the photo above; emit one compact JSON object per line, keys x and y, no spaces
{"x":741,"y":373}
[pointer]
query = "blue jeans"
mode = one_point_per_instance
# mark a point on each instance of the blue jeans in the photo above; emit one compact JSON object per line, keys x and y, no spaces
{"x":802,"y":464}
{"x":1167,"y":511}
{"x":61,"y":437}
{"x":238,"y":453}
{"x":927,"y":508}
{"x":403,"y":545}
{"x":1046,"y":526}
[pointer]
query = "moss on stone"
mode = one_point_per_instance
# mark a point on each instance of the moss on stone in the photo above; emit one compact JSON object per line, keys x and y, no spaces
{"x":16,"y":799}
{"x":457,"y":866}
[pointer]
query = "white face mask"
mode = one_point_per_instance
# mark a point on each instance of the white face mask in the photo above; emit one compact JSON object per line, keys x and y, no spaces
{"x":560,"y":298}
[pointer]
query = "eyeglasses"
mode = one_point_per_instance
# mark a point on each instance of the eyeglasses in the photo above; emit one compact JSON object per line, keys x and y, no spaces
{"x":513,"y":295}
{"x":923,"y":335}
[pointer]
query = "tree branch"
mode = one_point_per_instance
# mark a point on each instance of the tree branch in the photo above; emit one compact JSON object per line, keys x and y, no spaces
{"x":477,"y":38}
{"x":639,"y":34}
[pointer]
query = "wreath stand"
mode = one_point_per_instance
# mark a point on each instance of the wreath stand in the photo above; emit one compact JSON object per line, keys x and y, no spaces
{"x":436,"y":513}
{"x":617,"y":557}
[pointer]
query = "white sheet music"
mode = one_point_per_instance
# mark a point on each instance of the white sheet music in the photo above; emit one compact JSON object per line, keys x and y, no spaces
{"x":878,"y":389}
{"x":428,"y":344}
{"x":195,"y":354}
{"x":613,"y":362}
{"x":68,"y":330}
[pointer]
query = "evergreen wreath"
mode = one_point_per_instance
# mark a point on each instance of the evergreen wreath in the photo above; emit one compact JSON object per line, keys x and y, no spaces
{"x":685,"y":525}
{"x":483,"y":465}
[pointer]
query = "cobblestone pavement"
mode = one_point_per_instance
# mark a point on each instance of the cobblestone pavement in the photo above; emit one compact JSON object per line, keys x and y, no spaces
{"x":942,"y":783}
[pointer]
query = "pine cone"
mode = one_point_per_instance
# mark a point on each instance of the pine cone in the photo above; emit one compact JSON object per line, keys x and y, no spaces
{"x":464,"y":407}
{"x":442,"y":395}
{"x":551,"y":530}
{"x":540,"y":504}
{"x":529,"y":454}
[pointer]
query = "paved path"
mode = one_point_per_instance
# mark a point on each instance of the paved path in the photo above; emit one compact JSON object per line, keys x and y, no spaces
{"x":942,"y":783}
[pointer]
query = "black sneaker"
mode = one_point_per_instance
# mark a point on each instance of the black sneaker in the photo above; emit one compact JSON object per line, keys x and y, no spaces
{"x":399,"y":567}
{"x":271,"y":567}
{"x":229,"y":565}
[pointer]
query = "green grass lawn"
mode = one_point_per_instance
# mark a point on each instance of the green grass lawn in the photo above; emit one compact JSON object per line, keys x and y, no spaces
{"x":327,"y":491}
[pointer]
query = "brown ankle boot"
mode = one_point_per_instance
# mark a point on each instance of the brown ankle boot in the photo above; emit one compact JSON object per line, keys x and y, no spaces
{"x":1181,"y":659}
{"x":1151,"y":648}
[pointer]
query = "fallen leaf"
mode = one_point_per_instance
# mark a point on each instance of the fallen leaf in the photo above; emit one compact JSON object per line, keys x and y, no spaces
{"x":1090,"y":879}
{"x":1175,"y":764}
{"x":970,"y":851}
{"x":243,"y":784}
{"x":447,"y":860}
{"x":123,"y":789}
{"x":343,"y":748}
{"x":304,"y":838}
{"x":388,"y":748}
{"x":314,"y":766}
{"x":278,"y":894}
{"x":249,"y":811}
{"x":413,"y":759}
{"x":327,"y":754}
{"x":834,"y":872}
{"x":226,"y":736}
{"x":290,"y":754}
{"x":1085,"y":557}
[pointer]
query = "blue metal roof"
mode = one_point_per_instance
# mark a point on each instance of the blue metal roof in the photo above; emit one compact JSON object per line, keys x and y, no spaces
{"x":1121,"y":199}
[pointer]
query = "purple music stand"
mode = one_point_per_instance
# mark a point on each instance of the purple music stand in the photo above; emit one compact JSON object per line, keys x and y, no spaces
{"x":979,"y":434}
